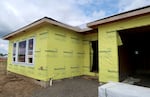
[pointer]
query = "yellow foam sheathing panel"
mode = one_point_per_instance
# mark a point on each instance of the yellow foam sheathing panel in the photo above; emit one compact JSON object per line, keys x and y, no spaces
{"x":87,"y":60}
{"x":119,"y":40}
{"x":108,"y":58}
{"x":64,"y":53}
{"x":39,"y":69}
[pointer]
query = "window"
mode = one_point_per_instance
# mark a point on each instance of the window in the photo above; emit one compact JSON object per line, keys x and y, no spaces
{"x":30,"y":51}
{"x":14,"y":52}
{"x":23,"y":51}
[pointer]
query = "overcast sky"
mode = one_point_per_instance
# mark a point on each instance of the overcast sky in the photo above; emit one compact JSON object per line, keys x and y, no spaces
{"x":18,"y":13}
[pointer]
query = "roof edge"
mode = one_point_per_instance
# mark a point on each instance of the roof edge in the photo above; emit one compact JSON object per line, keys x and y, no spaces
{"x":47,"y":20}
{"x":123,"y":15}
{"x":54,"y":22}
{"x":24,"y":28}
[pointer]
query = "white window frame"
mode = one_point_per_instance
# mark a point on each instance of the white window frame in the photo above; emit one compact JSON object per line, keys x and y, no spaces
{"x":15,"y":52}
{"x":26,"y":53}
{"x":28,"y":50}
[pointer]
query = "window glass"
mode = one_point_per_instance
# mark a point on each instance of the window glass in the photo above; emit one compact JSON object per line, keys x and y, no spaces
{"x":30,"y":47}
{"x":14,"y":52}
{"x":30,"y":50}
{"x":21,"y":51}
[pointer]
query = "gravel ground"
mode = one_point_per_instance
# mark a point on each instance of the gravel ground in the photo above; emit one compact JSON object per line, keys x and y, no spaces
{"x":76,"y":87}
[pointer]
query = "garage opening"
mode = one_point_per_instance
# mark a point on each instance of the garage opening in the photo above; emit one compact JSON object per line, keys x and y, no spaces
{"x":94,"y":56}
{"x":134,"y":55}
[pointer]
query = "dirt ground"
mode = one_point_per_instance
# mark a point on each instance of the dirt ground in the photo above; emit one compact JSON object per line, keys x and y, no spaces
{"x":11,"y":86}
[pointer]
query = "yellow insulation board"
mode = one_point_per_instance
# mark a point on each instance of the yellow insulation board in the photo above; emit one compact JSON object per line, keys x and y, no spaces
{"x":64,"y":53}
{"x":40,"y":59}
{"x":87,"y":51}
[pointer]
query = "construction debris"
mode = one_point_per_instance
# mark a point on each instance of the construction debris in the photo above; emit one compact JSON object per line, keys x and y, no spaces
{"x":116,"y":89}
{"x":131,"y":80}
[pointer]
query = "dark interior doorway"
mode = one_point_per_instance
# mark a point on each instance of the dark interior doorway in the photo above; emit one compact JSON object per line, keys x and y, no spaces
{"x":134,"y":54}
{"x":94,"y":56}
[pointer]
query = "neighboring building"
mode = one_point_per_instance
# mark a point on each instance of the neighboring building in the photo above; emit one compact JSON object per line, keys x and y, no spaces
{"x":48,"y":49}
{"x":2,"y":58}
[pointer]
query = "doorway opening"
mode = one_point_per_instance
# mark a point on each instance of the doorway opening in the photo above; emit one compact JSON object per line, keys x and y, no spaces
{"x":94,"y":56}
{"x":134,"y":55}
